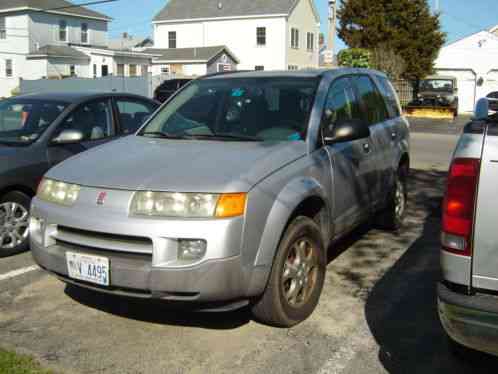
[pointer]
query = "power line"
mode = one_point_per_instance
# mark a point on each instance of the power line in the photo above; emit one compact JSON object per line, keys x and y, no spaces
{"x":78,"y":5}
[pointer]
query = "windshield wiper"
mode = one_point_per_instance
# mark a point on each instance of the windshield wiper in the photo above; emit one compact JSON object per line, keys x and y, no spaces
{"x":165,"y":135}
{"x":221,"y":136}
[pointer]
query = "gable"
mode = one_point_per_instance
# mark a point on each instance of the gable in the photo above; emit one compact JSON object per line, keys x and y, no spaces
{"x":311,"y":3}
{"x":482,"y":39}
{"x":200,"y":9}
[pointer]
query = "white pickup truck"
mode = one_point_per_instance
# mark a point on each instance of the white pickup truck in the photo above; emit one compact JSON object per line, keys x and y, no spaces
{"x":468,"y":292}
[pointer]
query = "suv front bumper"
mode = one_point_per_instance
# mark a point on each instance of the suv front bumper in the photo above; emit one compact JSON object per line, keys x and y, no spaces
{"x":151,"y":271}
{"x":471,"y":320}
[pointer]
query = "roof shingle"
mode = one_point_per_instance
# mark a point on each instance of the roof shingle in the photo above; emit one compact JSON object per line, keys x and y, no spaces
{"x":59,"y":51}
{"x":192,"y":9}
{"x":202,"y":54}
{"x":6,"y":5}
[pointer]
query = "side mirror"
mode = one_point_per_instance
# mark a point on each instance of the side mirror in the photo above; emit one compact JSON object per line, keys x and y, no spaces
{"x":482,"y":109}
{"x":68,"y":137}
{"x":346,"y":131}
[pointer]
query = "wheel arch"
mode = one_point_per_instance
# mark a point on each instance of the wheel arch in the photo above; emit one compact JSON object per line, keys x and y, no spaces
{"x":17,"y":188}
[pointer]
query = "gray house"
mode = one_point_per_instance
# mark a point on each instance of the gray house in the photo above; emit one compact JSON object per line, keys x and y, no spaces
{"x":192,"y":62}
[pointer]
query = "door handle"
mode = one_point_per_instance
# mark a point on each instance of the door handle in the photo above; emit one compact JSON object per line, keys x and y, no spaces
{"x":366,"y":148}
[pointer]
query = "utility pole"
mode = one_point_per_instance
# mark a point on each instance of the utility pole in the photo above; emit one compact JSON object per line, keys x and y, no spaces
{"x":332,"y":25}
{"x":436,"y":6}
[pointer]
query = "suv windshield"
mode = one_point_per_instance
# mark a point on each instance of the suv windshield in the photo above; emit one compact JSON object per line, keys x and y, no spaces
{"x":22,"y":121}
{"x":439,"y":85}
{"x":238,"y":109}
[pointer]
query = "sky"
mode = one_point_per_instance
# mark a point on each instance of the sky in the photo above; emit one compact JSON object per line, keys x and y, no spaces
{"x":459,"y":17}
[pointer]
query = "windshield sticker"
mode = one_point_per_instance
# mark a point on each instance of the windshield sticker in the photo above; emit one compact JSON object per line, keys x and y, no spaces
{"x":295,"y":137}
{"x":238,"y":92}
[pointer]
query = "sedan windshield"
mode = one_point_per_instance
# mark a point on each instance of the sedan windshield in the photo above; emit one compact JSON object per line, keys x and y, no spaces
{"x":237,"y":109}
{"x":22,"y":121}
{"x":439,"y":85}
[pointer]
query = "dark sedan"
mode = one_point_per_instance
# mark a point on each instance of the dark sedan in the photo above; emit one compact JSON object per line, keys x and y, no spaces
{"x":38,"y":131}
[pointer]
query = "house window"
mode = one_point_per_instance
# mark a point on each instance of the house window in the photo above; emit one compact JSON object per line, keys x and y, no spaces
{"x":261,"y":36}
{"x":133,"y":70}
{"x":259,"y":68}
{"x":3,"y":29}
{"x":72,"y":71}
{"x":63,"y":31}
{"x":8,"y":68}
{"x":165,"y":70}
{"x":95,"y":70}
{"x":172,"y":39}
{"x":295,"y":38}
{"x":310,"y":41}
{"x":84,"y":33}
{"x":120,"y":70}
{"x":145,"y":70}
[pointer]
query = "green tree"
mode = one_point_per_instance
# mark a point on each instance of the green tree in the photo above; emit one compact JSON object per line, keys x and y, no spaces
{"x":405,"y":27}
{"x":354,"y":58}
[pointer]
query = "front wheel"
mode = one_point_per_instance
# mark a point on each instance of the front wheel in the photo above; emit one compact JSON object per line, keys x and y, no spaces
{"x":297,"y":276}
{"x":14,"y":223}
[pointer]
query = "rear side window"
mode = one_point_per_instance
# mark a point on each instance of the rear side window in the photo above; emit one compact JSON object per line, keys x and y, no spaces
{"x":375,"y":108}
{"x":390,"y":97}
{"x":342,"y":104}
{"x":132,"y":114}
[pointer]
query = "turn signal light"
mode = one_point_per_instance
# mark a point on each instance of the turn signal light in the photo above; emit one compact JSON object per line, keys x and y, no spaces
{"x":231,"y":205}
{"x":459,"y":205}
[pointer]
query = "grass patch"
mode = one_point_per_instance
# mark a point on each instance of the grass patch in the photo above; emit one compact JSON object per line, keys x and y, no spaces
{"x":13,"y":363}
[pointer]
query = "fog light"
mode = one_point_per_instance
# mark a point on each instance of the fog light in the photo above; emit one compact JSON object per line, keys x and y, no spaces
{"x":36,"y":229}
{"x":191,"y":249}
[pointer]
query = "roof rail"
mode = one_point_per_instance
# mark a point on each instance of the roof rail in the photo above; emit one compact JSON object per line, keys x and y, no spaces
{"x":223,"y":73}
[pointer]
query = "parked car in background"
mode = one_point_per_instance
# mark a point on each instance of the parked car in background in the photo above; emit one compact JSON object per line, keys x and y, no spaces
{"x":39,"y":131}
{"x":231,"y":193}
{"x":164,"y":91}
{"x":468,"y":292}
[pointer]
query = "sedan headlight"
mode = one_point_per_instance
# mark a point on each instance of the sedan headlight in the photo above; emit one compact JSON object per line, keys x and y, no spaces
{"x":58,"y":192}
{"x":188,"y":205}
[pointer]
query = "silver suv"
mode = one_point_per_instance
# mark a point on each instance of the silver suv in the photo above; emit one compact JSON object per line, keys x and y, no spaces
{"x":231,"y":193}
{"x":467,"y":295}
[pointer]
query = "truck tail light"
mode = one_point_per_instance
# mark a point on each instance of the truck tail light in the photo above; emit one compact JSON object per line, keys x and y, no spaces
{"x":458,"y":206}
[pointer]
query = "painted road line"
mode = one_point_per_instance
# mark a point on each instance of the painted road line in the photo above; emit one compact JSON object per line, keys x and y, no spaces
{"x":18,"y":272}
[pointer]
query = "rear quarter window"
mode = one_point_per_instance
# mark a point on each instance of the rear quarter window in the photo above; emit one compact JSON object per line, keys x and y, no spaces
{"x":390,"y":97}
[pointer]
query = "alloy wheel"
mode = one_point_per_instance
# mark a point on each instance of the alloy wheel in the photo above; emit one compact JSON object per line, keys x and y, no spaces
{"x":300,"y":273}
{"x":14,"y":222}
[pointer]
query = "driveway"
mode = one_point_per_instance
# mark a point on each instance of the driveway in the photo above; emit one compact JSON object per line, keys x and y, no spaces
{"x":377,"y":313}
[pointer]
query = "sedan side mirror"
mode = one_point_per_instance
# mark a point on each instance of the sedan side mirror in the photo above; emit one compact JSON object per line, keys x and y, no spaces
{"x":482,"y":109}
{"x":346,"y":131}
{"x":68,"y":137}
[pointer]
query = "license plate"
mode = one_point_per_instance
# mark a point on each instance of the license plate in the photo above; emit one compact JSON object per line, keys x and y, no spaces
{"x":88,"y":268}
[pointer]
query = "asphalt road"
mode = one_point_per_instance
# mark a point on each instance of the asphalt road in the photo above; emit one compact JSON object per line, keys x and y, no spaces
{"x":377,"y":313}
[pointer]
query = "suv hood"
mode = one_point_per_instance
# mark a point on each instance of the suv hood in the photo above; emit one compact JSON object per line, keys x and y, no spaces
{"x":139,"y":163}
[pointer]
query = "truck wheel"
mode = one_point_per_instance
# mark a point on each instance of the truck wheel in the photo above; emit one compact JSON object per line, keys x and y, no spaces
{"x":393,"y":217}
{"x":297,"y":276}
{"x":14,"y":223}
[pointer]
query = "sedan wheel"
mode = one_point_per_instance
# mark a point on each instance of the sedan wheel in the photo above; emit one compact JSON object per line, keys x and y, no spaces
{"x":14,"y":223}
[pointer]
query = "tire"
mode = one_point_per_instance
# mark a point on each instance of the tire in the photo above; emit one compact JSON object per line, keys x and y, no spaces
{"x":393,"y":217}
{"x":17,"y":222}
{"x":279,"y":306}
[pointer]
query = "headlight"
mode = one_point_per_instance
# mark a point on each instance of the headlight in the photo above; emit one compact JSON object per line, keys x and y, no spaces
{"x":189,"y":205}
{"x":58,"y":192}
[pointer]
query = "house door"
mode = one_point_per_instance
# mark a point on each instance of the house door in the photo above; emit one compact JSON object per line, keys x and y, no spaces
{"x":105,"y":70}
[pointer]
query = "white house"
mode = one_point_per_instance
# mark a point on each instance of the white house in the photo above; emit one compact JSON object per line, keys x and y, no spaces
{"x":51,"y":39}
{"x":269,"y":34}
{"x":474,"y":62}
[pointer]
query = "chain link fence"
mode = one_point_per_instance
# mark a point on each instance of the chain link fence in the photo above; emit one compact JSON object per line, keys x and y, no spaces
{"x":404,"y":89}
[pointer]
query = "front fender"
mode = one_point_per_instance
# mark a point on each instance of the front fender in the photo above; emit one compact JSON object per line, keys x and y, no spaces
{"x":285,"y":204}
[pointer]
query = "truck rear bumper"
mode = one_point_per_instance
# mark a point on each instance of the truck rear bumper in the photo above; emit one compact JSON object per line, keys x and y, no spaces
{"x":471,"y":320}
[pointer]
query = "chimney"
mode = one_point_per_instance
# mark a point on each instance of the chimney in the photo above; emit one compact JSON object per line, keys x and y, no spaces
{"x":332,"y":25}
{"x":126,"y":35}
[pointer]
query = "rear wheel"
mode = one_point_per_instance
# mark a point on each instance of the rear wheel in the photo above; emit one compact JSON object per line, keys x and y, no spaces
{"x":393,"y":217}
{"x":14,"y":223}
{"x":297,"y":276}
